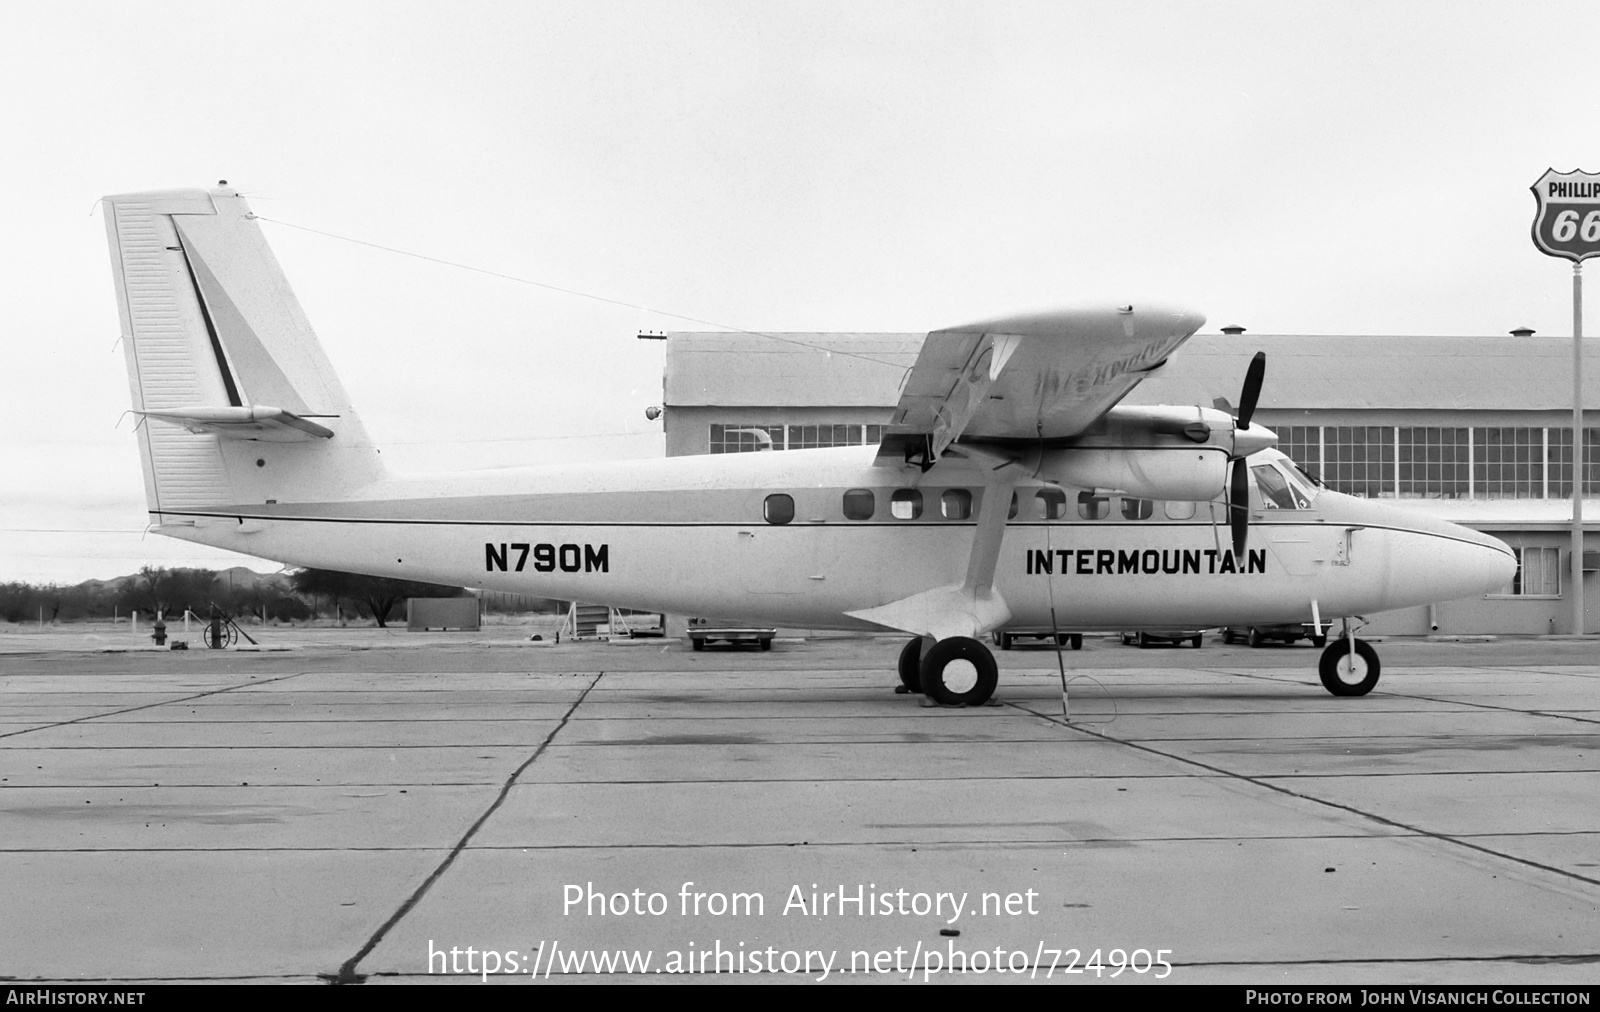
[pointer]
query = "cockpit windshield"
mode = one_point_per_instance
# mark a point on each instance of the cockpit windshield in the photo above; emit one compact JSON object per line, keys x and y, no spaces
{"x":1282,"y":488}
{"x":1309,"y":478}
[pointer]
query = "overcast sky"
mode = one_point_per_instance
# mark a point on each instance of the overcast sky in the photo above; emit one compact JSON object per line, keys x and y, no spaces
{"x":1315,"y":168}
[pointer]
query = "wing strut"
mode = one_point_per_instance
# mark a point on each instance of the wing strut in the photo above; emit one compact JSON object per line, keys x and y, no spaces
{"x":970,"y":608}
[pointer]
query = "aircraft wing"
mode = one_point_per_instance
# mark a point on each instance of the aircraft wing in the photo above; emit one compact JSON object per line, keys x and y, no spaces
{"x":1044,"y":375}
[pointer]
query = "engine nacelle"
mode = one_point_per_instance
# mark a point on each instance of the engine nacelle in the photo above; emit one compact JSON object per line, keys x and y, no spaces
{"x":1184,"y":473}
{"x":1161,"y":452}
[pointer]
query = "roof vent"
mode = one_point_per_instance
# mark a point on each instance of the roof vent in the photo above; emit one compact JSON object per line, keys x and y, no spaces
{"x":1233,"y":330}
{"x":1523,"y":332}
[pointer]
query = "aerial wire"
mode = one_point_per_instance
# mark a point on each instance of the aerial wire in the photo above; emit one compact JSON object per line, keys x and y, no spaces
{"x":582,"y":295}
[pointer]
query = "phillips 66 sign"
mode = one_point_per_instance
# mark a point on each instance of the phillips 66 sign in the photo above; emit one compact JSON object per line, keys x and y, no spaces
{"x":1568,"y":224}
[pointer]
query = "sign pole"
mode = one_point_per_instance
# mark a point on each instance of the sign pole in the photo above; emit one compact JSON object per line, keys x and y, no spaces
{"x":1567,"y":225}
{"x":1577,"y":447}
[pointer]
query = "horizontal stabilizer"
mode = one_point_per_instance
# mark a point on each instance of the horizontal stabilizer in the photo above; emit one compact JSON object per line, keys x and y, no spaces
{"x":260,"y":422}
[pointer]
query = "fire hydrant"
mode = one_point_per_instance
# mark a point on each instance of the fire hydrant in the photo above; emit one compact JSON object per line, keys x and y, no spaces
{"x":160,"y":635}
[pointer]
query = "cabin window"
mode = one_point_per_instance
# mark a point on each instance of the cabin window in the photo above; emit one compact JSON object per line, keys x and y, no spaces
{"x":1050,"y":504}
{"x":859,"y":504}
{"x":1093,"y":507}
{"x":1179,"y":510}
{"x":778,"y":509}
{"x":956,"y":504}
{"x":1137,"y":509}
{"x":1011,"y":511}
{"x":906,"y":504}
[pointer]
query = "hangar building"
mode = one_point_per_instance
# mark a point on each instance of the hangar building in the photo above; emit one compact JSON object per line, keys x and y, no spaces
{"x":1475,"y":430}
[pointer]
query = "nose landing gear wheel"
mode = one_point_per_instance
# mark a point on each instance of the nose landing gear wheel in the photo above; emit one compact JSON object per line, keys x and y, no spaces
{"x":959,"y":671}
{"x":911,"y":667}
{"x":1344,"y":675}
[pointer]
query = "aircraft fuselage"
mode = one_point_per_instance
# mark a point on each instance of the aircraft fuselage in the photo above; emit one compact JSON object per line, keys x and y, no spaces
{"x":691,"y":535}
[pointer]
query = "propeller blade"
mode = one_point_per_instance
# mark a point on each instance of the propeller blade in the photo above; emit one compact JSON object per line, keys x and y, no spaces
{"x":1253,"y":378}
{"x":1239,"y":505}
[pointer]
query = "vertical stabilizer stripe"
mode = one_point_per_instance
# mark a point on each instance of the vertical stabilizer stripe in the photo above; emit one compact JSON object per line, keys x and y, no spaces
{"x":211,"y":330}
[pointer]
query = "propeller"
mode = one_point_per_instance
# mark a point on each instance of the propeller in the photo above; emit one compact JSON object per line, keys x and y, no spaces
{"x":1239,"y":479}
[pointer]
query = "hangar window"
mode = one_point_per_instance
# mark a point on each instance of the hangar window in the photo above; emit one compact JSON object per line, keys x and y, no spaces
{"x":745,"y":438}
{"x":1093,"y":507}
{"x":1538,"y":573}
{"x":1303,"y":443}
{"x":1509,"y":463}
{"x":1179,"y":510}
{"x":1137,"y":509}
{"x":1359,"y":459}
{"x":859,"y":504}
{"x":956,"y":504}
{"x":1434,"y":463}
{"x":778,"y":508}
{"x":906,"y":504}
{"x":1050,"y":504}
{"x":1560,"y":466}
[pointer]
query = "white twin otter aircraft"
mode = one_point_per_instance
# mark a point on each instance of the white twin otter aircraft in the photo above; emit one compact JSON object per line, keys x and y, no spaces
{"x":1010,"y":491}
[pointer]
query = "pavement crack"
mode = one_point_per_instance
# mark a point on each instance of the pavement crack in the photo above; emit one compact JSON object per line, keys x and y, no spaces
{"x":347,"y":971}
{"x":1303,"y":796}
{"x":148,"y":706}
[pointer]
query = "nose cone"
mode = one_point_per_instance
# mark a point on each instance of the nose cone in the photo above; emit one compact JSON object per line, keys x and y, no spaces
{"x":1461,"y":562}
{"x":1433,"y":560}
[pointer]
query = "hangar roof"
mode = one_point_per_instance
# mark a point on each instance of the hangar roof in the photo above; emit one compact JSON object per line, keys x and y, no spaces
{"x":1303,"y":371}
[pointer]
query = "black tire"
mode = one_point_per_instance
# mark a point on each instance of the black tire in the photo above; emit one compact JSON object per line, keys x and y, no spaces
{"x":1005,"y":641}
{"x":1334,"y":668}
{"x":1199,"y":640}
{"x":766,"y":643}
{"x":697,"y":644}
{"x":910,"y":666}
{"x":1255,"y":637}
{"x":1077,"y":641}
{"x":947,"y":655}
{"x":1227,"y":637}
{"x":1144,"y":640}
{"x":1319,"y":641}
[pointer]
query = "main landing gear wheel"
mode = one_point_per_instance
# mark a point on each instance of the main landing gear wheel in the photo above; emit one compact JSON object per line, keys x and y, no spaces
{"x":1344,"y":675}
{"x":959,"y":671}
{"x":911,"y":667}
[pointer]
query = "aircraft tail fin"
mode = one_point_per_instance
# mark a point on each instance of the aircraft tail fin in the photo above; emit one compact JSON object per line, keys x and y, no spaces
{"x":237,"y":403}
